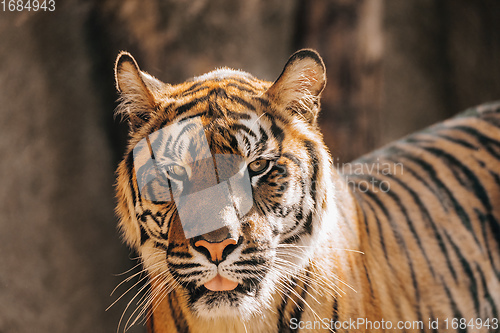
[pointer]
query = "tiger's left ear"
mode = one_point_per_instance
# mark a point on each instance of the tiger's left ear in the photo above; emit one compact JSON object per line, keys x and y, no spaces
{"x":299,"y":86}
{"x":138,"y":91}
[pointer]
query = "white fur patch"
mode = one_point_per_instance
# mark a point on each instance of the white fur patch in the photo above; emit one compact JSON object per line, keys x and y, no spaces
{"x":221,"y":74}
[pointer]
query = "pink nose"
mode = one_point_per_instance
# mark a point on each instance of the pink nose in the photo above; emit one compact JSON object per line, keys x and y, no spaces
{"x":216,"y":250}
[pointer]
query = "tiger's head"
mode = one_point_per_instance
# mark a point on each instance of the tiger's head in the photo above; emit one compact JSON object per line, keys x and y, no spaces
{"x":222,"y":188}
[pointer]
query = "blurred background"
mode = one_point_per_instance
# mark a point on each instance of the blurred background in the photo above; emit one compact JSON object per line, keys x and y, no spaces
{"x":393,"y":67}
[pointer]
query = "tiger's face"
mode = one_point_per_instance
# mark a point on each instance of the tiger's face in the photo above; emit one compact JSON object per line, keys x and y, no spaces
{"x":219,"y":191}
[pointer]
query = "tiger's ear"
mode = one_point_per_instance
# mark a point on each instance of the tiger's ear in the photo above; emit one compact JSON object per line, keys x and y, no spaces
{"x":137,"y":91}
{"x":299,"y":86}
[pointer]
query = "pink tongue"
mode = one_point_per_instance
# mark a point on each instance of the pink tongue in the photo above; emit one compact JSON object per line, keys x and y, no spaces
{"x":220,"y":283}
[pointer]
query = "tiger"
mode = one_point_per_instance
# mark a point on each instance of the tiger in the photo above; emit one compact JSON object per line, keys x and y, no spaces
{"x":242,"y":222}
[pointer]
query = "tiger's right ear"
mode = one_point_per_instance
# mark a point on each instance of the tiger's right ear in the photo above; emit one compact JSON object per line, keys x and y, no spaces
{"x":138,"y":91}
{"x":299,"y":86}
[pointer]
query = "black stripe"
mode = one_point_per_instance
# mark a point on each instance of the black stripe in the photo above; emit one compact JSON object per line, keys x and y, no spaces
{"x":427,"y":217}
{"x":182,"y":255}
{"x":189,"y":105}
{"x":491,"y":145}
{"x":335,"y":312}
{"x":365,"y":221}
{"x":193,"y":90}
{"x":190,"y":88}
{"x":184,"y":265}
{"x":251,"y":262}
{"x":247,"y":144}
{"x":172,"y":253}
{"x":252,"y":272}
{"x":262,"y":101}
{"x":240,"y":87}
{"x":401,"y":242}
{"x":181,"y":324}
{"x":160,"y":142}
{"x":196,"y":115}
{"x":487,"y":294}
{"x":483,"y":219}
{"x":292,"y":158}
{"x":167,"y":121}
{"x":367,"y":275}
{"x":468,"y":272}
{"x":218,"y":92}
{"x":308,"y":225}
{"x":314,"y":161}
{"x":275,"y":128}
{"x":283,"y":325}
{"x":469,"y":180}
{"x":458,"y":141}
{"x":277,"y":133}
{"x":243,"y":128}
{"x":129,"y":162}
{"x":402,"y":208}
{"x":244,"y":82}
{"x":241,"y":102}
{"x":495,"y":176}
{"x":180,"y":137}
{"x":431,"y":172}
{"x":299,"y":307}
{"x":431,"y":319}
{"x":421,"y":180}
{"x":491,"y":118}
{"x":191,"y":275}
{"x":143,"y":217}
{"x":380,"y":231}
{"x":261,"y":145}
{"x":454,"y":307}
{"x":250,"y":250}
{"x":144,"y":234}
{"x":306,"y":229}
{"x":237,"y":115}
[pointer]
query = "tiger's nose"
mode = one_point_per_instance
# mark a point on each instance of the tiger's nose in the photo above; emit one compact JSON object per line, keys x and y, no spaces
{"x":217,"y":251}
{"x":216,"y":246}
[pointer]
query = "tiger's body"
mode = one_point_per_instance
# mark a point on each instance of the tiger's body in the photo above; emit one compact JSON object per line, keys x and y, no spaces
{"x":317,"y":250}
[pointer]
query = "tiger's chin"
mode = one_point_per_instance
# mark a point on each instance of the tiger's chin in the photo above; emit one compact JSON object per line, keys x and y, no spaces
{"x":242,"y":302}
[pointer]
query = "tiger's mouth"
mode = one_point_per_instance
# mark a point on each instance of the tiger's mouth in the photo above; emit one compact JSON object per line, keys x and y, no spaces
{"x":220,"y":283}
{"x":220,"y":297}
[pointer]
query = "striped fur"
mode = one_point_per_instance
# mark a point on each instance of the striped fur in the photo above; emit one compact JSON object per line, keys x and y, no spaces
{"x":317,"y":247}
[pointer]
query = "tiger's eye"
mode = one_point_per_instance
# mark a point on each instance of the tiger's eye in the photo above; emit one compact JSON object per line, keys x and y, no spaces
{"x":178,"y":171}
{"x":258,"y":166}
